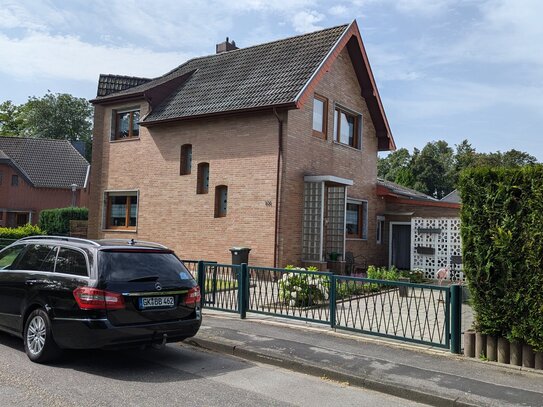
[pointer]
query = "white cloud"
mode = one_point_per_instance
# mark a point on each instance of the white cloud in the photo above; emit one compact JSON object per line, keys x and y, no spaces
{"x":306,"y":21}
{"x":67,"y":57}
{"x":339,"y":10}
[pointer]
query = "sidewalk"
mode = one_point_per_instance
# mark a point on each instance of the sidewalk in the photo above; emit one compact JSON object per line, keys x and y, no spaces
{"x":413,"y":372}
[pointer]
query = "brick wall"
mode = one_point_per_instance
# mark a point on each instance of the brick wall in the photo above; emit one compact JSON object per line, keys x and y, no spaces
{"x":309,"y":155}
{"x":242,"y":153}
{"x":25,"y":197}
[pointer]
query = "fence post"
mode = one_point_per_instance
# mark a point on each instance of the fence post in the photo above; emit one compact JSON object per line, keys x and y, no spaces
{"x":201,"y":281}
{"x":243,"y":290}
{"x":332,"y":298}
{"x":456,"y":318}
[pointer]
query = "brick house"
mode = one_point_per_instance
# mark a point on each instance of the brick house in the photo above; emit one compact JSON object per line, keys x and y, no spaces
{"x":38,"y":174}
{"x":272,"y":147}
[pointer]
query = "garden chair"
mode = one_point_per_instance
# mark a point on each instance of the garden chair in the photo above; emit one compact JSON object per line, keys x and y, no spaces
{"x":355,"y":264}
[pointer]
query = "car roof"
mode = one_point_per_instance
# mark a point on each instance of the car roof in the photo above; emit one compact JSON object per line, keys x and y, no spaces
{"x":98,"y":244}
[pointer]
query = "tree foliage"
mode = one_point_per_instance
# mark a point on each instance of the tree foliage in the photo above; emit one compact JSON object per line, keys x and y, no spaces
{"x":435,"y":170}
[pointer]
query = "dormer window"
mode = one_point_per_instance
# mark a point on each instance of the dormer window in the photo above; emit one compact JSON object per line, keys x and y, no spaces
{"x":126,"y":124}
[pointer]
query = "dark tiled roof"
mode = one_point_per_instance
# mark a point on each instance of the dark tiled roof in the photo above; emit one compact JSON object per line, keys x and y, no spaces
{"x":108,"y":84}
{"x":46,"y":163}
{"x":404,"y":191}
{"x":262,"y":75}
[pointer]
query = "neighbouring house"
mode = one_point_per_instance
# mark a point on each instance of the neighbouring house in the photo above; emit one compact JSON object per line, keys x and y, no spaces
{"x":421,"y":231}
{"x":38,"y":174}
{"x":272,"y":147}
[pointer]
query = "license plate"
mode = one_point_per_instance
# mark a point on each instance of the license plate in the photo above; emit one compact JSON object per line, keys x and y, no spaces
{"x":157,"y":302}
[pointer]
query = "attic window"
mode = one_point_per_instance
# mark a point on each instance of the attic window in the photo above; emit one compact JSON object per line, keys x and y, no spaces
{"x":347,"y":127}
{"x":320,"y":114}
{"x":126,"y":124}
{"x":14,"y":180}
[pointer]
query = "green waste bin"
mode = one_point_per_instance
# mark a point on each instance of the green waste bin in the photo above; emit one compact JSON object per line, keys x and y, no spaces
{"x":240,"y":255}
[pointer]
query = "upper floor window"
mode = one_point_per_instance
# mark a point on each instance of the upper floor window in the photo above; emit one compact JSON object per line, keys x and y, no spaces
{"x":122,"y":210}
{"x":126,"y":124}
{"x":320,"y":115}
{"x":203,"y":178}
{"x":14,"y":180}
{"x":347,"y":128}
{"x":221,"y":201}
{"x":185,"y":159}
{"x":1,"y":177}
{"x":356,"y":224}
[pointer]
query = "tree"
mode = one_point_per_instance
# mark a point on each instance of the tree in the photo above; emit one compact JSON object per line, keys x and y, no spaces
{"x":57,"y":116}
{"x":10,"y":121}
{"x":435,"y":170}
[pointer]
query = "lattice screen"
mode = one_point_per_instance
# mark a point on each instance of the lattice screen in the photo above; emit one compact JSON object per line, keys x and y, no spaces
{"x":335,"y":228}
{"x":312,"y":224}
{"x":433,"y":242}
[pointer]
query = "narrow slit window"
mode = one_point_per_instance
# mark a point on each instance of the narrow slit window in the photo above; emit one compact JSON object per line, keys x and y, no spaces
{"x":186,"y":159}
{"x":221,"y":201}
{"x":203,"y":178}
{"x":320,"y":114}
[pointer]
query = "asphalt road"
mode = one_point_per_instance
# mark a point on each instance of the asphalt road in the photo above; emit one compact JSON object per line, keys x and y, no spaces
{"x":177,"y":375}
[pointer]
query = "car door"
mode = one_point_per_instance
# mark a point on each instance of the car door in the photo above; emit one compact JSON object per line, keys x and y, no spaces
{"x":30,"y":273}
{"x":9,"y":281}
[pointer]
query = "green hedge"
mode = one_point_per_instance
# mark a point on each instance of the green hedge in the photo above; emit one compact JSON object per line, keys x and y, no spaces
{"x":502,"y":237}
{"x":20,"y":232}
{"x":57,"y":221}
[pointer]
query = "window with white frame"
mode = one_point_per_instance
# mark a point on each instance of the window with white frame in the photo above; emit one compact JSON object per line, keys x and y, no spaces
{"x":356,"y":222}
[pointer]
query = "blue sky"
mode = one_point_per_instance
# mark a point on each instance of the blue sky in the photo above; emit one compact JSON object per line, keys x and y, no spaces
{"x":446,"y":69}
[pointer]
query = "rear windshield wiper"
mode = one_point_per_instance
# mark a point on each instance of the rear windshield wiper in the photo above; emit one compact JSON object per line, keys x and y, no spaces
{"x":144,"y":278}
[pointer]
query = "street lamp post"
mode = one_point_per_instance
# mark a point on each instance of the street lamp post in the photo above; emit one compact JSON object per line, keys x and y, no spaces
{"x":74,"y":188}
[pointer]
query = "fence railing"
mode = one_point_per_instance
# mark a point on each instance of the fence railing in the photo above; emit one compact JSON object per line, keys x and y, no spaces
{"x":420,"y":313}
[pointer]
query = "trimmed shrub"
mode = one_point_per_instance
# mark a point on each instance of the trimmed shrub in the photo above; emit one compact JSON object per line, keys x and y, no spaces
{"x":20,"y":232}
{"x":502,"y":237}
{"x":57,"y":221}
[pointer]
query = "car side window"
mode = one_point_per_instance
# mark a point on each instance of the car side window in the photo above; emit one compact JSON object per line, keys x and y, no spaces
{"x":8,"y":257}
{"x":38,"y":257}
{"x":71,"y":261}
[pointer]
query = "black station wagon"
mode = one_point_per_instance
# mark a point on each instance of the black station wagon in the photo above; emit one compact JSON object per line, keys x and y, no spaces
{"x":68,"y":293}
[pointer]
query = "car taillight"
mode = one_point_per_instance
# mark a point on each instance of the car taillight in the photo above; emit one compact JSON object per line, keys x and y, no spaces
{"x":92,"y":298}
{"x":193,"y":296}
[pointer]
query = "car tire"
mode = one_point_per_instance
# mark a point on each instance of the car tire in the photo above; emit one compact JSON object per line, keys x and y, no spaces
{"x":39,"y":343}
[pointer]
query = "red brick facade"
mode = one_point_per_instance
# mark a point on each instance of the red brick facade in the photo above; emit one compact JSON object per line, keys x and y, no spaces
{"x":23,"y":203}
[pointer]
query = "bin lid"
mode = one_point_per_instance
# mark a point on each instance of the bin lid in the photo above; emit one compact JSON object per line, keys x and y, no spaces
{"x":239,"y":249}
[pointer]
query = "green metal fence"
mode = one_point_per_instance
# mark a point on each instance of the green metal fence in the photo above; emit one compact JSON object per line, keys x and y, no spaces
{"x":419,"y":313}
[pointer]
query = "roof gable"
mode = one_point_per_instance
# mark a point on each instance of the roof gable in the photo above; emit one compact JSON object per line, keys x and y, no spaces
{"x":45,"y":163}
{"x":279,"y":73}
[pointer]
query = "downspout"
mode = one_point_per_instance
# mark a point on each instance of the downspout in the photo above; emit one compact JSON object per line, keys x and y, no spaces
{"x":277,"y":183}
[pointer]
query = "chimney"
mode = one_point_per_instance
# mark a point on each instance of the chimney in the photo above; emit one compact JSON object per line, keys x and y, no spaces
{"x":226,"y":46}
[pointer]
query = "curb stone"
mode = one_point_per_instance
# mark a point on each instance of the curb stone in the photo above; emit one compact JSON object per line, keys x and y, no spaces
{"x":387,"y":387}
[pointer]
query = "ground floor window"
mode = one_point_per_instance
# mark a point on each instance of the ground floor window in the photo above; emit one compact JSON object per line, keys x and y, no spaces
{"x":356,"y":222}
{"x":122,"y":210}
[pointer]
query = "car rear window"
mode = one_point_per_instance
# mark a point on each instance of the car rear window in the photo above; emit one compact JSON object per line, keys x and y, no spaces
{"x":132,"y":265}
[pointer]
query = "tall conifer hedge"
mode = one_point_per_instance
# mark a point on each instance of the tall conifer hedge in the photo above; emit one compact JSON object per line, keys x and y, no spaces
{"x":502,"y":236}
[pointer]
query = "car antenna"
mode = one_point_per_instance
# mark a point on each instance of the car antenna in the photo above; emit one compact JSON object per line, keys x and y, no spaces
{"x":132,"y":242}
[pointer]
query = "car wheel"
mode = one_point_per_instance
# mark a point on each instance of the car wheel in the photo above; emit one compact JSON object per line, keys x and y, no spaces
{"x":38,"y":340}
